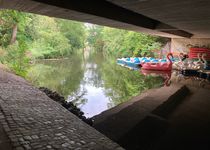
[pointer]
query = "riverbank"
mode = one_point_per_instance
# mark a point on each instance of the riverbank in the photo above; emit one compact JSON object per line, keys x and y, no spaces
{"x":51,"y":59}
{"x":68,"y":105}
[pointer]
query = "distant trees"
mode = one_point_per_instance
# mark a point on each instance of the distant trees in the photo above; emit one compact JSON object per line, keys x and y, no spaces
{"x":74,"y":32}
{"x":53,"y":38}
{"x":47,"y":39}
{"x":95,"y":37}
{"x":122,"y":43}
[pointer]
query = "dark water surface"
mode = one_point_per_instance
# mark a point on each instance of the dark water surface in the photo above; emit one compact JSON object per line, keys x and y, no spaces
{"x":92,"y":82}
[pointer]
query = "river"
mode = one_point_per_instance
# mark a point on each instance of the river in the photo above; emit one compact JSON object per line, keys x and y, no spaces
{"x":92,"y":82}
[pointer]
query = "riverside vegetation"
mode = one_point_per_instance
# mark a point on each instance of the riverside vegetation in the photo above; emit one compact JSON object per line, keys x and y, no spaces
{"x":25,"y":37}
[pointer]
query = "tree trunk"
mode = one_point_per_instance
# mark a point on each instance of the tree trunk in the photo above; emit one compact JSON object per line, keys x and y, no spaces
{"x":14,"y":34}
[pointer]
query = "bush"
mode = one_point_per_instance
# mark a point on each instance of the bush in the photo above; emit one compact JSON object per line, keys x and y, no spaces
{"x":16,"y":58}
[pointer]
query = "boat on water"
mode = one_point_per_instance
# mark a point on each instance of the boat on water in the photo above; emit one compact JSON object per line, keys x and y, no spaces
{"x":131,"y":63}
{"x":136,"y":62}
{"x":159,"y":66}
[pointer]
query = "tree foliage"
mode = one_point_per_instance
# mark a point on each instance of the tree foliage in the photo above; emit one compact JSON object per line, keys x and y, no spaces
{"x":74,"y":32}
{"x":16,"y":58}
{"x":9,"y":18}
{"x":24,"y":35}
{"x":95,"y":38}
{"x":122,"y":43}
{"x":34,"y":36}
{"x":13,"y":45}
{"x":53,"y":38}
{"x":48,"y":41}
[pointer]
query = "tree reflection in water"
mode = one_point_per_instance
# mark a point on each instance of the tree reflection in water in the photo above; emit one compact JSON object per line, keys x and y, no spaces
{"x":94,"y":84}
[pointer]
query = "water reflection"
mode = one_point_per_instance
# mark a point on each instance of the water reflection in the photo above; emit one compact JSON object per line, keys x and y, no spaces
{"x":191,"y":81}
{"x":165,"y":74}
{"x":93,"y":83}
{"x":90,"y":96}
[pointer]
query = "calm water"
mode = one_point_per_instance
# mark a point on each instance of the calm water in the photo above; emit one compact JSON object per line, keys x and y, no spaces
{"x":93,"y":83}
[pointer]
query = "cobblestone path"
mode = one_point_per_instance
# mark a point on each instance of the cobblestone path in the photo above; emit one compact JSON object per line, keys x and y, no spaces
{"x":31,"y":120}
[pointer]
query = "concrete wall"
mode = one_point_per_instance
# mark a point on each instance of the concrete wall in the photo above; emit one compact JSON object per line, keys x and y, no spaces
{"x":183,"y":44}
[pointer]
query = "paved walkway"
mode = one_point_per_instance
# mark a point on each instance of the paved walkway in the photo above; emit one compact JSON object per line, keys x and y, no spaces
{"x":31,"y":120}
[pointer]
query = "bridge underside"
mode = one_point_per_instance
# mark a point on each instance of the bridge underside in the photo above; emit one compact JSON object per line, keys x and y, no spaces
{"x":166,"y":18}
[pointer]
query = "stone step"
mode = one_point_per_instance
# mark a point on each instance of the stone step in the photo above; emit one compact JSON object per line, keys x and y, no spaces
{"x":165,"y":109}
{"x":117,"y":124}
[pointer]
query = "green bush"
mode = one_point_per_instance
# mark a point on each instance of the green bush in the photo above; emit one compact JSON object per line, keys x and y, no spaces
{"x":16,"y":58}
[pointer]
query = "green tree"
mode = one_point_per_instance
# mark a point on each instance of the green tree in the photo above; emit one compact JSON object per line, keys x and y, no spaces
{"x":122,"y":43}
{"x":114,"y":42}
{"x":74,"y":32}
{"x":16,"y":58}
{"x":95,"y":38}
{"x":12,"y":39}
{"x":13,"y":24}
{"x":48,"y":41}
